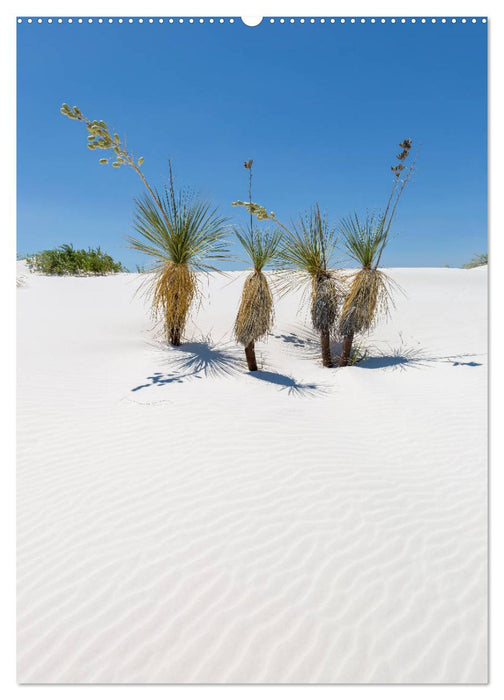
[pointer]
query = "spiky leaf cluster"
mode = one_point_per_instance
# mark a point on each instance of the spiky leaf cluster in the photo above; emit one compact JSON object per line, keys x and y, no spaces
{"x":262,"y":247}
{"x":310,"y":245}
{"x":363,"y":238}
{"x":186,"y":231}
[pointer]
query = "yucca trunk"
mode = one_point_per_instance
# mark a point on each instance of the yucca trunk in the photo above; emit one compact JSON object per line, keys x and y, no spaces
{"x":325,"y":344}
{"x":174,"y":336}
{"x":346,"y":351}
{"x":324,"y":311}
{"x":251,"y":357}
{"x":174,"y":325}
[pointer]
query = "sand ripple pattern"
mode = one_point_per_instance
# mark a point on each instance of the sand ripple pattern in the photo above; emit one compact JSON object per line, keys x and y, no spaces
{"x":222,"y":529}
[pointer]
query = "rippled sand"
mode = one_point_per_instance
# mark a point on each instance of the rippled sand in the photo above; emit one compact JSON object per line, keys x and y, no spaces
{"x":181,"y":520}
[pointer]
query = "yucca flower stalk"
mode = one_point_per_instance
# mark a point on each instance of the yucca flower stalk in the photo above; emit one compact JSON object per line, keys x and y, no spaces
{"x":255,"y":314}
{"x":100,"y":138}
{"x":181,"y":239}
{"x":369,"y":289}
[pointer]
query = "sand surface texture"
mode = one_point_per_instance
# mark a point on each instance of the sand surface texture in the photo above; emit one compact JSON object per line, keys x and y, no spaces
{"x":181,"y":520}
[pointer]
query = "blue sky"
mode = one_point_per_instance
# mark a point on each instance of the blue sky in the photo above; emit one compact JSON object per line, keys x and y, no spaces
{"x":320,"y":108}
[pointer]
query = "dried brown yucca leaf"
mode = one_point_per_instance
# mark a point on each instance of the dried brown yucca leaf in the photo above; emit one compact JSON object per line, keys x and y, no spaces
{"x":369,"y":296}
{"x":325,"y":301}
{"x":255,"y":315}
{"x":173,"y":291}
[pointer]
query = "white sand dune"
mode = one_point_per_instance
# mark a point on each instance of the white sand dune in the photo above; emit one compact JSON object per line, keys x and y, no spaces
{"x":181,"y":520}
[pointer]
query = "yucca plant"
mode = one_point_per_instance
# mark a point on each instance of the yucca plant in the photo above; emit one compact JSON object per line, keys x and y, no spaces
{"x":369,"y":289}
{"x":306,"y":254}
{"x":182,"y":233}
{"x":255,"y":315}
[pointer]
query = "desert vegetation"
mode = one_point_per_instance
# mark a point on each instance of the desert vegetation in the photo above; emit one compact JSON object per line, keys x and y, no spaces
{"x":306,"y":254}
{"x":369,"y":288}
{"x":306,"y":249}
{"x":477,"y":260}
{"x":255,"y":314}
{"x":179,"y":231}
{"x":184,"y":234}
{"x":66,"y":260}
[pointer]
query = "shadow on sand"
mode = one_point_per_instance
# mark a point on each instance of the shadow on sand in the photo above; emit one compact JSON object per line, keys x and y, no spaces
{"x":196,"y":360}
{"x":400,"y":357}
{"x":203,"y":358}
{"x":307,"y":341}
{"x":199,"y":359}
{"x":289,"y":384}
{"x":403,"y":358}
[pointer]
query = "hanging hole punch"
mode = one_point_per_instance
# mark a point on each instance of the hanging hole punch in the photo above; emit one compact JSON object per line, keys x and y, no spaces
{"x":252,"y":21}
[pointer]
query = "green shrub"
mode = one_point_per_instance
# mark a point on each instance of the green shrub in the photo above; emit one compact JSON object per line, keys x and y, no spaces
{"x":476,"y":261}
{"x":65,"y":260}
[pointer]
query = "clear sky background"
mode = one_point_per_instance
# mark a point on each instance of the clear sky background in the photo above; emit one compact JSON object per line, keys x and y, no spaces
{"x":320,"y":108}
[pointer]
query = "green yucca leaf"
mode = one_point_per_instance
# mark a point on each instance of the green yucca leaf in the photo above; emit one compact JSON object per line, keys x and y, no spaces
{"x":262,"y":247}
{"x":187,"y":230}
{"x":311,"y":244}
{"x":141,"y":160}
{"x":363,"y":239}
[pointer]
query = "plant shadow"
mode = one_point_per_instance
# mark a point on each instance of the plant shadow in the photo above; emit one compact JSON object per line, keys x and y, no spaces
{"x":400,"y":357}
{"x":308,"y":341}
{"x":403,"y":357}
{"x":290,"y":385}
{"x":204,"y":357}
{"x":196,"y":360}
